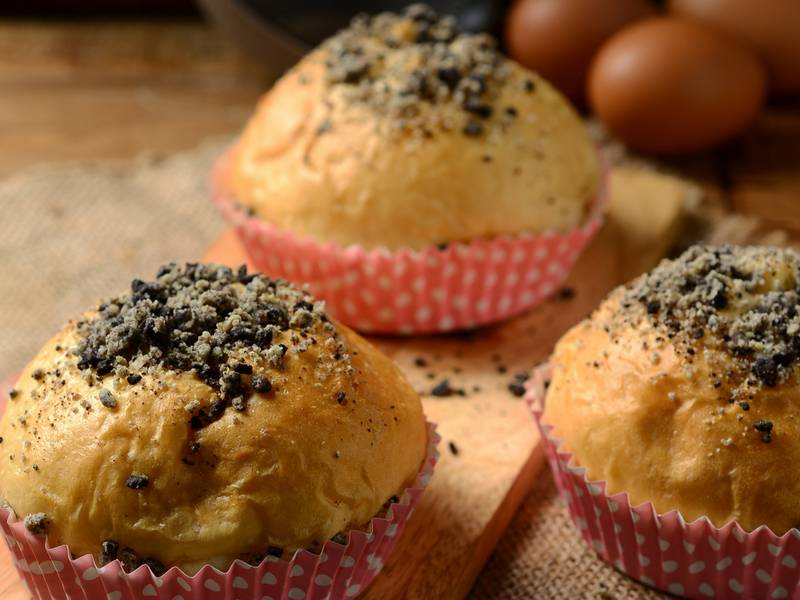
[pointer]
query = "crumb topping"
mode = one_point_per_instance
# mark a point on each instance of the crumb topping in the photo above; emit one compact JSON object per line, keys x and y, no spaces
{"x":443,"y":389}
{"x":208,"y":320}
{"x":110,"y":551}
{"x":107,"y":399}
{"x":395,"y":63}
{"x":517,"y":384}
{"x":738,"y":306}
{"x":37,"y":523}
{"x":137,"y":482}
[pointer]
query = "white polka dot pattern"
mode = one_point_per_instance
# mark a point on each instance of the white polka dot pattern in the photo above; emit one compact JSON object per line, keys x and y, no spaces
{"x":697,"y":559}
{"x":426,"y":291}
{"x":338,"y":572}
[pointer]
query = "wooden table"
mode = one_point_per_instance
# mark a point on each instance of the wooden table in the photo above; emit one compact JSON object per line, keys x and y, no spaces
{"x":88,"y":91}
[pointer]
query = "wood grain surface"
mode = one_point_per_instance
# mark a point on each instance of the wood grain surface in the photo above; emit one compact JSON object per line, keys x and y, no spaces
{"x":113,"y":90}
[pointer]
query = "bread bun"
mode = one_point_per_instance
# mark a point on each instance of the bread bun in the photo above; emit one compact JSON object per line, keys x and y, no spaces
{"x":402,"y":132}
{"x":682,"y":388}
{"x":206,"y":416}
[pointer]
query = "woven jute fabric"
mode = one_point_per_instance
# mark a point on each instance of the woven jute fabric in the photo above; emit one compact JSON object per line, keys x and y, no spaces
{"x":70,"y":235}
{"x":542,"y":556}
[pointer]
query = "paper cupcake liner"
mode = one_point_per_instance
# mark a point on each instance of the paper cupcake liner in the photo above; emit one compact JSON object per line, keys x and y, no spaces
{"x":664,"y":551}
{"x":415,"y":291}
{"x":338,"y":571}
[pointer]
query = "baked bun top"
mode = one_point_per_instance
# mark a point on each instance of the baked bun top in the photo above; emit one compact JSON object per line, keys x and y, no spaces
{"x":682,"y":388}
{"x":205,"y":416}
{"x":400,"y":131}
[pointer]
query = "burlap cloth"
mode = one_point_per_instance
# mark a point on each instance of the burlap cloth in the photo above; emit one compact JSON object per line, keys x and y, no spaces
{"x":70,"y":235}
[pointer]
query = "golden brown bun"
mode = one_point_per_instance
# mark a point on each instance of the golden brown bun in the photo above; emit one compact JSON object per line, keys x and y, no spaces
{"x":319,"y":454}
{"x":316,"y":163}
{"x":676,"y":429}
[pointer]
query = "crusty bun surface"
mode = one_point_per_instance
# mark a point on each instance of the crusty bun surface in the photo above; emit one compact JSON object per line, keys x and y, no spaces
{"x":402,"y":132}
{"x":682,"y":388}
{"x":205,"y":416}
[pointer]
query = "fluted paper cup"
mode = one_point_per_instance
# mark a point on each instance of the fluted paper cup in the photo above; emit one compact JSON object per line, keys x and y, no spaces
{"x":338,"y":571}
{"x":694,"y":560}
{"x":407,"y":291}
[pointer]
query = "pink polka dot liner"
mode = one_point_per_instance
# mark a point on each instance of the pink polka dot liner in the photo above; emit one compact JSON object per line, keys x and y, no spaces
{"x":408,"y":291}
{"x":663,"y":551}
{"x":339,"y":571}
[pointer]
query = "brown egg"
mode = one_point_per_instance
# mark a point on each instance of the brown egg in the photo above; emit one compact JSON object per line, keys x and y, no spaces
{"x":771,"y":27}
{"x":558,"y":38}
{"x":667,"y":85}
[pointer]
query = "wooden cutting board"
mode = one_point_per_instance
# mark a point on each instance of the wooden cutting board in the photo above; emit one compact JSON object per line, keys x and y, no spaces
{"x":490,"y":453}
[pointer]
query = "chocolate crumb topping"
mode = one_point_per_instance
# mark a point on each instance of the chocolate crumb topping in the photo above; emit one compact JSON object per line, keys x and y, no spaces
{"x":261,"y":384}
{"x":443,"y":389}
{"x":13,"y":394}
{"x":128,"y":559}
{"x":209,"y":320}
{"x":742,"y":301}
{"x":473,"y":129}
{"x":453,"y":448}
{"x":157,"y":567}
{"x":736,"y":307}
{"x":107,"y":399}
{"x":395,"y":63}
{"x":275,"y":355}
{"x":108,"y":551}
{"x":477,"y":108}
{"x":243,"y":368}
{"x":37,"y":523}
{"x":765,"y":427}
{"x":137,"y":482}
{"x":517,"y":385}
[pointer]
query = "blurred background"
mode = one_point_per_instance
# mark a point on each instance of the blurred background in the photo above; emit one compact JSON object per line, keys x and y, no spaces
{"x":712,"y":84}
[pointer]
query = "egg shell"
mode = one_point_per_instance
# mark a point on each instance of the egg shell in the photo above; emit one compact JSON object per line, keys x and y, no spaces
{"x":771,"y":27}
{"x":667,"y":85}
{"x":558,"y":38}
